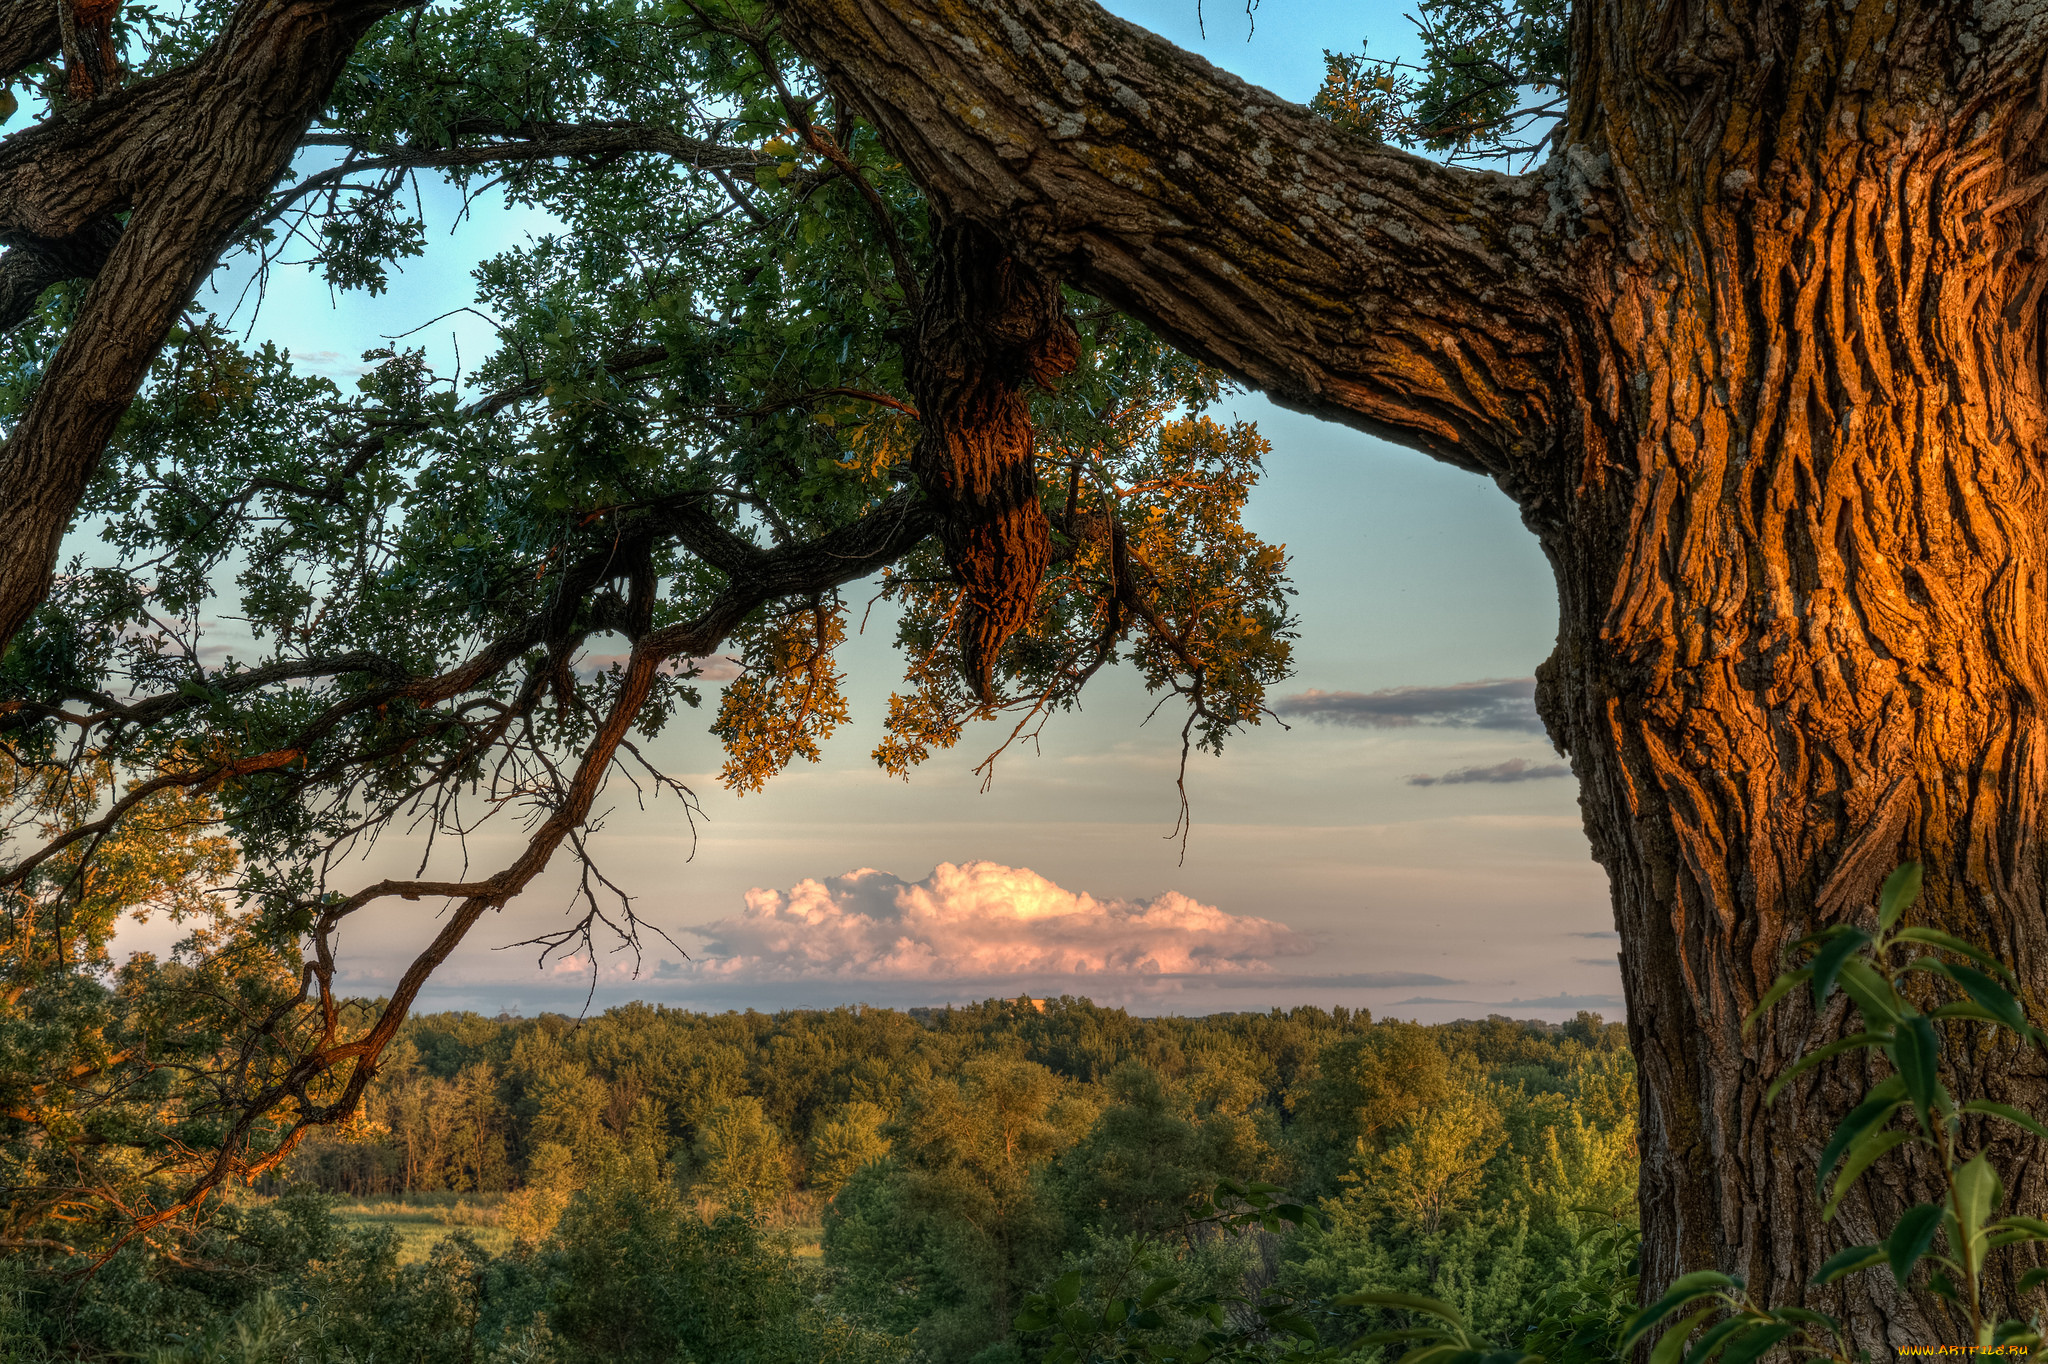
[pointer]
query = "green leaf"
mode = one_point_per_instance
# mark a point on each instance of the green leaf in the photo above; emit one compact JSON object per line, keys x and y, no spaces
{"x":1157,"y":1289}
{"x":1782,"y":986}
{"x":1993,"y":997}
{"x":1916,"y":1051}
{"x":1068,"y":1290}
{"x":1413,"y":1302}
{"x":1751,"y":1344}
{"x":1877,"y":1108}
{"x":1934,"y":937}
{"x":1827,"y":963}
{"x":1820,"y":1054}
{"x":1963,"y":1008}
{"x":2009,"y":1113}
{"x":1978,"y":1192}
{"x":1684,"y":1289}
{"x":1911,"y":1235}
{"x":2033,"y":1279}
{"x":1716,"y":1336}
{"x":1901,"y":889}
{"x":1672,"y":1343}
{"x":1859,"y":1158}
{"x":1030,"y":1319}
{"x":1848,"y":1262}
{"x":2015,"y":1333}
{"x":1875,"y":999}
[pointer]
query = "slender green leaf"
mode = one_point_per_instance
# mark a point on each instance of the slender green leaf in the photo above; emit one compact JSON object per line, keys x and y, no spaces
{"x":1782,"y":986}
{"x":1911,"y":1235}
{"x":1875,"y":999}
{"x":1848,"y":1262}
{"x":1717,"y":1335}
{"x":2015,"y":1333}
{"x":1934,"y":937}
{"x":2010,"y":1114}
{"x":1993,"y":997}
{"x":1413,"y":1302}
{"x":1068,"y":1289}
{"x":1672,"y":1343}
{"x":2033,"y":1225}
{"x":1970,"y":1009}
{"x":1978,"y":1192}
{"x":1683,"y":1289}
{"x":1157,"y":1289}
{"x":2033,"y":1278}
{"x":1901,"y":889}
{"x":1819,"y":1054}
{"x":1916,"y":1051}
{"x":1752,"y":1344}
{"x":1882,"y":1101}
{"x":1827,"y":962}
{"x":1859,"y":1158}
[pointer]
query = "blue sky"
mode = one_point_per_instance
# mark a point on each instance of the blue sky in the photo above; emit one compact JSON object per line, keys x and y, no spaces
{"x":1318,"y":871}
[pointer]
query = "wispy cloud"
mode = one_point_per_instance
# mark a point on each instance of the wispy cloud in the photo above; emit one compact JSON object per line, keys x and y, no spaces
{"x":1514,"y":769}
{"x":980,"y":921}
{"x":1498,"y":703}
{"x":1559,"y":1001}
{"x":1357,"y":980}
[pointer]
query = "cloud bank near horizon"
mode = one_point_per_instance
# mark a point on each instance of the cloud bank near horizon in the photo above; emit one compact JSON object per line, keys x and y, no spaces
{"x":1514,"y":769}
{"x":1496,"y":703}
{"x":980,"y":921}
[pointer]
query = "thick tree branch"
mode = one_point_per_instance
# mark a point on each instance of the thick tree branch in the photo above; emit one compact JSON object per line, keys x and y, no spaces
{"x":28,"y":34}
{"x":1344,"y":278}
{"x":193,"y":153}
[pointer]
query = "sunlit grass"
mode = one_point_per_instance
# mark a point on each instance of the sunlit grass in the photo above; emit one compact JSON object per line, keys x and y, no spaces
{"x":422,"y":1221}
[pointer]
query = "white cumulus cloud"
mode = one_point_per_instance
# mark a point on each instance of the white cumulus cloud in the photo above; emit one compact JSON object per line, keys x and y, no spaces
{"x":977,"y":921}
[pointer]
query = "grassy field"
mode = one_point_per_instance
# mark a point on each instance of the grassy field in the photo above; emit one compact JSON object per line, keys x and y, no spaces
{"x":424,"y":1220}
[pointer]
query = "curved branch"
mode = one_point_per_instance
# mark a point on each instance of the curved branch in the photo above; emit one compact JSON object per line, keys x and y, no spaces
{"x":1344,"y":278}
{"x":534,"y":142}
{"x":884,"y":535}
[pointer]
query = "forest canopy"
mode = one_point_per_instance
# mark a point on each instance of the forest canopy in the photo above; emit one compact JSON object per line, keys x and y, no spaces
{"x":868,"y":1184}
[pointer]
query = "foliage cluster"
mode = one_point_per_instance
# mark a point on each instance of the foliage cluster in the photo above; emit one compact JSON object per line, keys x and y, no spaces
{"x":964,"y":1163}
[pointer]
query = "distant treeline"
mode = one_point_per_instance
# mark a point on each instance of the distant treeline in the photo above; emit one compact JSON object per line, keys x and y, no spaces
{"x":961,"y":1158}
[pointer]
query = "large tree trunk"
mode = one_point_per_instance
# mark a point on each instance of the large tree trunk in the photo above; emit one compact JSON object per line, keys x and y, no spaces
{"x":1759,"y":355}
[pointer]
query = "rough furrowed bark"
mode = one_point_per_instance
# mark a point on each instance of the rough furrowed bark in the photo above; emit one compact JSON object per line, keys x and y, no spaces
{"x":1759,"y":353}
{"x":1800,"y":557}
{"x":191,"y":154}
{"x":992,"y":327}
